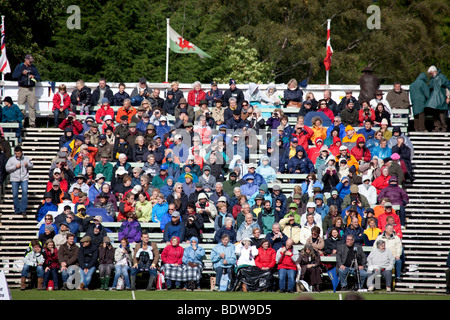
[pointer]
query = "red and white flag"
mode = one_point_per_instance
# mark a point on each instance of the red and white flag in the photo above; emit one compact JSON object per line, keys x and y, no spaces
{"x":327,"y":60}
{"x":4,"y":63}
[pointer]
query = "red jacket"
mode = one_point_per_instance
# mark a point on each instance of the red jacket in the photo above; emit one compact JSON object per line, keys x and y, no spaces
{"x":397,"y":226}
{"x":127,"y":207}
{"x":51,"y":260}
{"x":327,"y":112}
{"x":103,"y":112}
{"x":314,"y":152}
{"x":334,"y":149}
{"x":194,"y":97}
{"x":286,"y":262}
{"x":363,"y":117}
{"x":76,"y":126}
{"x":361,"y":154}
{"x":172,"y":254}
{"x":304,"y":137}
{"x":57,"y":101}
{"x":265,"y":258}
{"x":381,"y":182}
{"x":63,"y":185}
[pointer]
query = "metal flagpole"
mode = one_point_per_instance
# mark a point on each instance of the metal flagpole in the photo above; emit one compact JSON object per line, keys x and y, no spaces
{"x":167,"y":50}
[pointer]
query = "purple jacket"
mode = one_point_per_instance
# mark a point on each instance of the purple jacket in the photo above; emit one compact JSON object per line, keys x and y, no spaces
{"x":131,"y":230}
{"x":397,"y":195}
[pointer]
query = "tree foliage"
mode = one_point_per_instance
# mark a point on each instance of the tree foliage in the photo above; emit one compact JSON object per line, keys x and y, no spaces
{"x":263,"y":41}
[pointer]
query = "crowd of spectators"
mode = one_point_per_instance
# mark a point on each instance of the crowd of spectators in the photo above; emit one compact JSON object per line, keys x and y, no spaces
{"x":134,"y":166}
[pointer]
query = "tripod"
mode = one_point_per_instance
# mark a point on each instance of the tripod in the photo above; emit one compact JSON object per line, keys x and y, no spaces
{"x":354,"y":266}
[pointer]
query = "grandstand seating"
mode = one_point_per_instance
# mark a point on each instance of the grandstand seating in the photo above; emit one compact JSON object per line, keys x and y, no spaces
{"x":41,"y":145}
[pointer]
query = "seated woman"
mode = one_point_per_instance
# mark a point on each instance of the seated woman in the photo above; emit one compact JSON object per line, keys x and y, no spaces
{"x":130,"y":228}
{"x":308,"y":264}
{"x":228,"y":229}
{"x":223,"y":258}
{"x":122,"y":263}
{"x":247,"y":273}
{"x":333,"y":241}
{"x":371,"y":233}
{"x":193,"y":262}
{"x":382,"y":181}
{"x":266,"y":261}
{"x":172,"y":259}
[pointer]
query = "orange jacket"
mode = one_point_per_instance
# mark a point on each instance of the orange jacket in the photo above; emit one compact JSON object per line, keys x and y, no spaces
{"x":130,"y":113}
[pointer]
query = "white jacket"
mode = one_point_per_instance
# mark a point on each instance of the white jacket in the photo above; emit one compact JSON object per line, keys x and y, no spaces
{"x":244,"y":255}
{"x":370,"y":193}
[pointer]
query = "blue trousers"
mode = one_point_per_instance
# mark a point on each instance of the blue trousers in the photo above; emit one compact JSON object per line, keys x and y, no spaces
{"x":343,"y":276}
{"x":21,"y":206}
{"x":288,"y":274}
{"x":122,"y":271}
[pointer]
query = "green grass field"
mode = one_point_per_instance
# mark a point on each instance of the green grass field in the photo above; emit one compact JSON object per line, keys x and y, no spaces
{"x":208,"y":295}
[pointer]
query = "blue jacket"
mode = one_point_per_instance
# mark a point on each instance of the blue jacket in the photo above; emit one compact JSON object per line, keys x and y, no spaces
{"x":159,"y":210}
{"x":343,"y":190}
{"x":12,"y":114}
{"x":46,"y":207}
{"x":194,"y":256}
{"x":23,"y":79}
{"x":173,"y":230}
{"x":303,"y":164}
{"x":230,"y":255}
{"x":380,"y":152}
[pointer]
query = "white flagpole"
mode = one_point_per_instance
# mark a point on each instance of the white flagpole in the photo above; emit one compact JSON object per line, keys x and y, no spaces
{"x":3,"y":75}
{"x":328,"y":39}
{"x":167,"y":51}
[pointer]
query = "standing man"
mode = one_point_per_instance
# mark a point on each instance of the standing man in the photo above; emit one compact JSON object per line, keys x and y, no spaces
{"x":438,"y":100}
{"x":18,"y":167}
{"x":27,"y":75}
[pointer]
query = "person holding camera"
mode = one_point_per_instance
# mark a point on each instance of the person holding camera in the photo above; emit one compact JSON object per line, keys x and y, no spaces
{"x":145,"y":259}
{"x":27,"y":76}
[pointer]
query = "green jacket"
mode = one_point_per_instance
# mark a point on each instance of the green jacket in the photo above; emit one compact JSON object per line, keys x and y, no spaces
{"x":419,"y":93}
{"x":106,"y":170}
{"x":437,"y":85}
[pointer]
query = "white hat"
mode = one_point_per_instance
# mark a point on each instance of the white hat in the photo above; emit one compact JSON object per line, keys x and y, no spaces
{"x":136,"y":189}
{"x":365,"y":177}
{"x":311,"y":205}
{"x":121,"y":171}
{"x":342,"y":148}
{"x":222,"y":199}
{"x":384,"y":121}
{"x":162,"y":118}
{"x":107,"y":117}
{"x":202,"y":196}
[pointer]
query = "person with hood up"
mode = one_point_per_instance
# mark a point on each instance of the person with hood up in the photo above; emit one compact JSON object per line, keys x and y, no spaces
{"x":272,"y":98}
{"x":250,"y":188}
{"x":343,"y":187}
{"x":172,"y":259}
{"x":300,"y":163}
{"x":255,"y":96}
{"x":383,"y":180}
{"x":360,"y":151}
{"x":419,"y":93}
{"x":438,"y":100}
{"x":368,"y":190}
{"x":335,"y":146}
{"x":328,"y":174}
{"x":193,"y":262}
{"x":314,"y":151}
{"x":265,"y":170}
